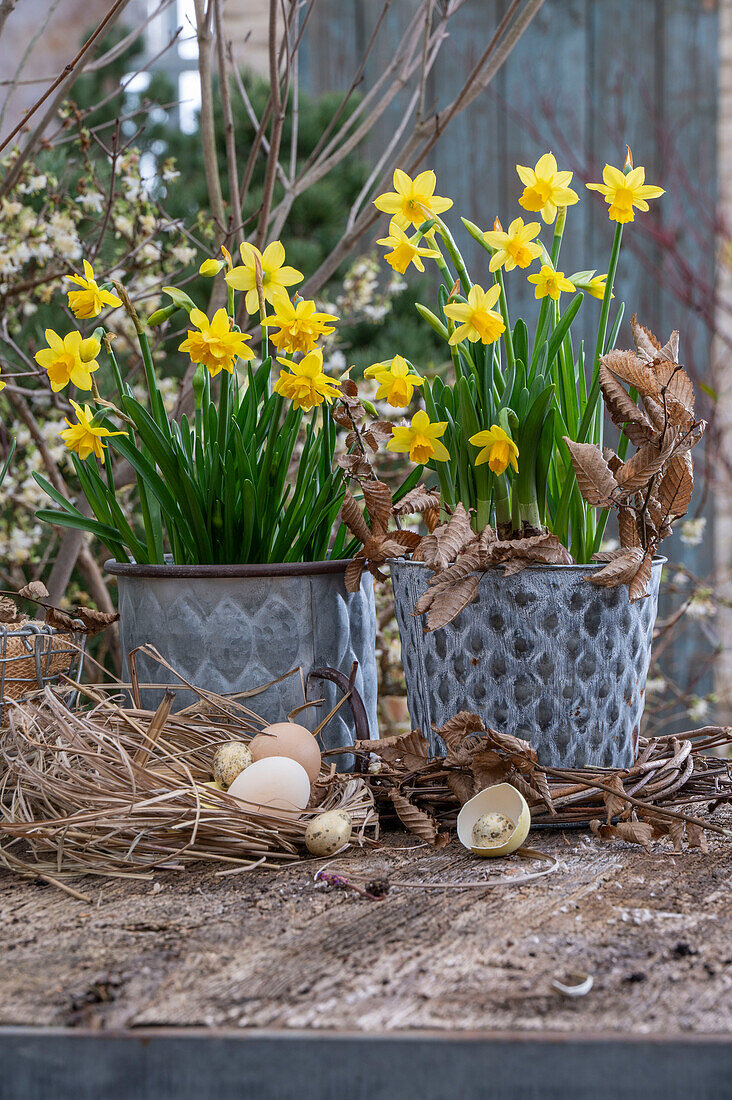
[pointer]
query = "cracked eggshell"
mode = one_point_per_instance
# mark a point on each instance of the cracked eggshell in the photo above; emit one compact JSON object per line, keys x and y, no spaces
{"x":501,"y":799}
{"x":275,"y":783}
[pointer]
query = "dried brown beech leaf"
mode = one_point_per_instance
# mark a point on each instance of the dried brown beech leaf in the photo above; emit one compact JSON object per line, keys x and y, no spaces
{"x":675,"y":382}
{"x":461,"y":785}
{"x":696,"y":837}
{"x":489,"y":768}
{"x":623,"y":411}
{"x":59,"y":620}
{"x":635,"y":832}
{"x":95,"y":621}
{"x":614,"y":803}
{"x":410,"y":751}
{"x":638,"y":589}
{"x":621,"y":569}
{"x":670,"y":349}
{"x":632,"y":832}
{"x":381,"y":430}
{"x":354,"y":571}
{"x":353,"y":518}
{"x":675,"y":830}
{"x":8,"y":611}
{"x":627,"y":528}
{"x":613,"y":461}
{"x":470,"y":559}
{"x":645,"y":342}
{"x":450,"y":600}
{"x":640,"y":468}
{"x":690,"y":438}
{"x":349,"y":387}
{"x":417,"y":500}
{"x":377,"y":496}
{"x":36,"y":590}
{"x":445,"y":543}
{"x":355,"y":465}
{"x":417,"y":821}
{"x":626,"y":366}
{"x":464,"y":724}
{"x":518,"y":751}
{"x":347,"y":412}
{"x":676,"y":486}
{"x":594,"y":477}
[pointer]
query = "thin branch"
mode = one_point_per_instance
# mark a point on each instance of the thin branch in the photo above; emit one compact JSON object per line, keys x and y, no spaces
{"x":229,"y":133}
{"x":278,"y":120}
{"x":204,"y":35}
{"x":68,"y":70}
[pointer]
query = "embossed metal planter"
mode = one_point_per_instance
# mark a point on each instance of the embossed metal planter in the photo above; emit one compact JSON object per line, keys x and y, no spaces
{"x":542,"y":654}
{"x":231,"y":628}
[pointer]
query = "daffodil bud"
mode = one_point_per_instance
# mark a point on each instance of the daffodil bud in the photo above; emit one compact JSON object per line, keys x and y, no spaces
{"x":369,"y":407}
{"x":161,"y":315}
{"x":209,"y":268}
{"x":628,"y":166}
{"x":180,"y":298}
{"x":198,"y":383}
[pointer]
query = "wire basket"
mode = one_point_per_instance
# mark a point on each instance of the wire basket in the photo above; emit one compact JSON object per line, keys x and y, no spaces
{"x":33,"y":655}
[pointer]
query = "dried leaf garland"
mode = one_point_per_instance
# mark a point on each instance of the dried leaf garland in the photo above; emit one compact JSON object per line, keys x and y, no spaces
{"x":653,"y":487}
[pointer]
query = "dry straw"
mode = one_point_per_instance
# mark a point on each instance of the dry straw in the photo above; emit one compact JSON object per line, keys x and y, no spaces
{"x":116,"y":790}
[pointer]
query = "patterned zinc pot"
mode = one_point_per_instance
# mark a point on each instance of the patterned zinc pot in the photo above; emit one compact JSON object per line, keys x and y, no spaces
{"x":233,"y":628}
{"x":542,"y":654}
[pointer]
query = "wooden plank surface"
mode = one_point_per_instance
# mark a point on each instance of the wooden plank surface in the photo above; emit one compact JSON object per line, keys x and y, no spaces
{"x":273,"y":950}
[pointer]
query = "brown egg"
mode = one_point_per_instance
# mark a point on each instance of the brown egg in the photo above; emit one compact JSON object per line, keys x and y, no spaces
{"x":288,"y":739}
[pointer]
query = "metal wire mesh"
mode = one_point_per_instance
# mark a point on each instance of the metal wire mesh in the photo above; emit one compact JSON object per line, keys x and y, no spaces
{"x":33,"y":655}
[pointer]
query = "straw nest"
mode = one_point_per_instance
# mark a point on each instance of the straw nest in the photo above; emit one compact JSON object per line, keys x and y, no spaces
{"x":117,"y":790}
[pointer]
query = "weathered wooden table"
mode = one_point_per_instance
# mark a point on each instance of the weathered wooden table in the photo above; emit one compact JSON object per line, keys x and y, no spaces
{"x":297,"y":990}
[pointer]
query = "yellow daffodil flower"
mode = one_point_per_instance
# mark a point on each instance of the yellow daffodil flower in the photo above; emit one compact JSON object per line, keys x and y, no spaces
{"x":595,"y":286}
{"x":2,"y":385}
{"x":479,"y":321}
{"x":275,"y":275}
{"x":69,"y":359}
{"x":420,"y":440}
{"x":412,"y":200}
{"x":623,"y":192}
{"x":209,"y":268}
{"x":514,"y":248}
{"x":85,"y":437}
{"x":498,"y":449}
{"x":300,"y":325}
{"x":545,"y":188}
{"x":405,"y":251}
{"x":305,"y":383}
{"x":90,"y":300}
{"x":551,"y":282}
{"x":396,"y":383}
{"x":215,"y":345}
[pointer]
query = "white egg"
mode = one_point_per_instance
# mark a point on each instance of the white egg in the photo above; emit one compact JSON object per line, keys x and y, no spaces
{"x":276,"y":783}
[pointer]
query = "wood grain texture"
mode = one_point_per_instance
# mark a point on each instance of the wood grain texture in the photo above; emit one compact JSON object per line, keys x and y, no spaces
{"x":275,"y":951}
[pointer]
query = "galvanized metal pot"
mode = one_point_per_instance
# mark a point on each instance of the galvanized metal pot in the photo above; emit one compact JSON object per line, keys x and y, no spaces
{"x":232,"y":628}
{"x":542,"y":654}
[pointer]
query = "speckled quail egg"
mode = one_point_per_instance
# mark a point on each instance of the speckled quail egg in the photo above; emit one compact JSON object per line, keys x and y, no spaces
{"x":229,"y":761}
{"x":328,"y":832}
{"x":492,"y":829}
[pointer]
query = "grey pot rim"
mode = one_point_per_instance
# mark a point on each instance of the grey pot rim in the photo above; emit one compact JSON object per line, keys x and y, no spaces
{"x":537,"y":567}
{"x":169,"y":570}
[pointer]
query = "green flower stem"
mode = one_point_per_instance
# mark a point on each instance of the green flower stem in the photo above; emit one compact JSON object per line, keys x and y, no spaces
{"x":454,"y":254}
{"x":507,"y":336}
{"x":558,"y":234}
{"x":106,"y":340}
{"x":594,"y":391}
